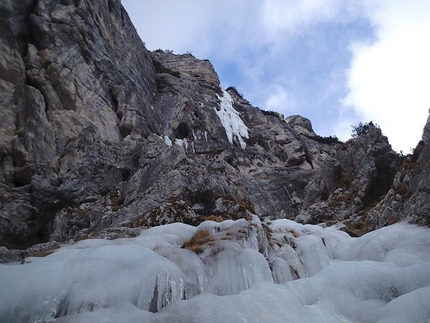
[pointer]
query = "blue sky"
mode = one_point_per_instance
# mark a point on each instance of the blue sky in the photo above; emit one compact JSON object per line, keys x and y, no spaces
{"x":336,"y":62}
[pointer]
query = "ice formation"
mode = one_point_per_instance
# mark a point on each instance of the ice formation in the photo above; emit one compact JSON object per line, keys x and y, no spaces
{"x":237,"y":271}
{"x":230,"y":119}
{"x":167,"y":140}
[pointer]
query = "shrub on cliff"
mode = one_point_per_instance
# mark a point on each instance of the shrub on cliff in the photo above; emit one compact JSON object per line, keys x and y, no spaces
{"x":363,"y":128}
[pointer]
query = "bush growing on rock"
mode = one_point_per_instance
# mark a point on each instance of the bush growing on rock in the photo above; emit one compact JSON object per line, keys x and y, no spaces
{"x":363,"y":128}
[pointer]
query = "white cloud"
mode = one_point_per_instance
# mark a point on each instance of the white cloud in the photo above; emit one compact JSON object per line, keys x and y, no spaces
{"x":279,"y":99}
{"x":201,"y":27}
{"x":343,"y":128}
{"x":291,"y":15}
{"x":225,"y":27}
{"x":389,"y":80}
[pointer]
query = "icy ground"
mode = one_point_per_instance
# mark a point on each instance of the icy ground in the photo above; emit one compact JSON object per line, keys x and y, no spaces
{"x":233,"y":271}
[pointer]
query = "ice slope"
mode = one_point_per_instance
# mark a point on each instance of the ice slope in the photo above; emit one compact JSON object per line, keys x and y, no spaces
{"x":243,"y":271}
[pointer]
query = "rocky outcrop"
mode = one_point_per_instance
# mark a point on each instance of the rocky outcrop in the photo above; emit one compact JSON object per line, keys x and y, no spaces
{"x":409,"y":196}
{"x":100,"y":137}
{"x":351,"y":182}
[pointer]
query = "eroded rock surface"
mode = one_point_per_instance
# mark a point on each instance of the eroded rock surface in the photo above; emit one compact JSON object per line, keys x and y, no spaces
{"x":409,"y":196}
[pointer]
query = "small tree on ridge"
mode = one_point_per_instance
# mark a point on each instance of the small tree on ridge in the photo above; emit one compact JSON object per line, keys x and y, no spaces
{"x":363,"y":128}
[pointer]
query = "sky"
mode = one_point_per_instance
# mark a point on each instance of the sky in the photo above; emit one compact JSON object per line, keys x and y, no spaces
{"x":335,"y":62}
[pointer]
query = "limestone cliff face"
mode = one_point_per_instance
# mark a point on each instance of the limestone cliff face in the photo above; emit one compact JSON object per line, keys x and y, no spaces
{"x":409,"y":196}
{"x":100,"y":137}
{"x":74,"y":76}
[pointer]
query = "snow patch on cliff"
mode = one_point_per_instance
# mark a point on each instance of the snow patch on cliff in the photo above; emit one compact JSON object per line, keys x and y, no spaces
{"x":167,"y":141}
{"x":230,"y":119}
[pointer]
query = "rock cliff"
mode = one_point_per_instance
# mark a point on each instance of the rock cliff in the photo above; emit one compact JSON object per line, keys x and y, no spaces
{"x":100,"y":137}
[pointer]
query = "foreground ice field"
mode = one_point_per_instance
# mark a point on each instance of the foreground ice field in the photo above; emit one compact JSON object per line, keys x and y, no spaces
{"x":233,"y":271}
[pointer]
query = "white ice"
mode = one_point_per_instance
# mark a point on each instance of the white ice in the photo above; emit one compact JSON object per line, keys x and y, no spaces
{"x":230,"y":119}
{"x":295,"y":273}
{"x":167,"y":140}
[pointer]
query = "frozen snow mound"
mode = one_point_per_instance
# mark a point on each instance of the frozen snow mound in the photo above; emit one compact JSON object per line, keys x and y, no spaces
{"x":233,"y":271}
{"x":230,"y":119}
{"x":74,"y":281}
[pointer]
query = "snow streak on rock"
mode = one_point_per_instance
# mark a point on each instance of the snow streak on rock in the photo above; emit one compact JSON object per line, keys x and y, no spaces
{"x":233,"y":124}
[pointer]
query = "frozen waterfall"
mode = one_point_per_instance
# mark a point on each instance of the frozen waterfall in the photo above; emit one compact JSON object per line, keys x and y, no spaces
{"x":233,"y":271}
